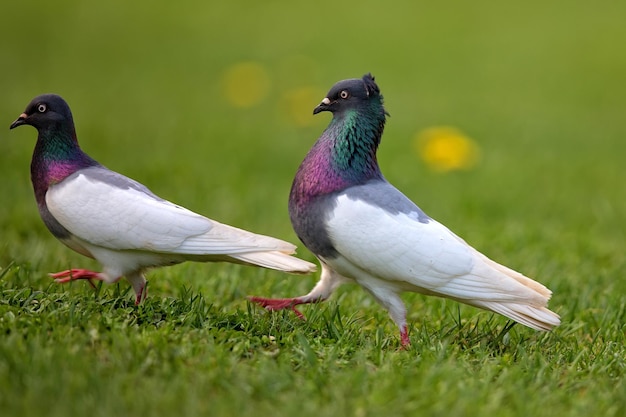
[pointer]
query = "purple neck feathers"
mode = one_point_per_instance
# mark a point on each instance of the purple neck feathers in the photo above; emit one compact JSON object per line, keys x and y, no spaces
{"x":56,"y":156}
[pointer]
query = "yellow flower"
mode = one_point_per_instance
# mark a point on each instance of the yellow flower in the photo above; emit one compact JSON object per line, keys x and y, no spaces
{"x":446,"y":149}
{"x":245,"y":84}
{"x":297,"y":104}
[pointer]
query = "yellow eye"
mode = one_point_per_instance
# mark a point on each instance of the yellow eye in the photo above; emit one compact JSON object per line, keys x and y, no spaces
{"x":344,"y":94}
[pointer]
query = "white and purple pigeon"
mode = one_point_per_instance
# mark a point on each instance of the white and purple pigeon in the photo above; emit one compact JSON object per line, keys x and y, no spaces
{"x":363,"y":230}
{"x":118,"y":221}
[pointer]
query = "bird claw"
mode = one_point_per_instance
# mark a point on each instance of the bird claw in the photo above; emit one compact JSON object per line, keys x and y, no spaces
{"x":404,"y":338}
{"x":68,"y":275}
{"x":274,"y":304}
{"x":298,"y":313}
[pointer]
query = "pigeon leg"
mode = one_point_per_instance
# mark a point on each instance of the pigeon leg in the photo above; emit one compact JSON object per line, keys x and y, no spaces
{"x":404,"y":337}
{"x":141,"y":295}
{"x":329,"y":280}
{"x":389,"y":298}
{"x":273,"y":304}
{"x":75,"y":274}
{"x":139,"y":284}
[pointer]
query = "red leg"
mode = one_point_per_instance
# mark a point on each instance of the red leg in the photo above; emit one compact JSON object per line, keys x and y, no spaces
{"x":66,"y":276}
{"x":281,"y":303}
{"x":141,"y":295}
{"x":404,"y":337}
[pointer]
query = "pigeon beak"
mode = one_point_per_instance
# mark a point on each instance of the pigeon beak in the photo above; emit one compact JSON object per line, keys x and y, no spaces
{"x":323,"y":106}
{"x":20,"y":121}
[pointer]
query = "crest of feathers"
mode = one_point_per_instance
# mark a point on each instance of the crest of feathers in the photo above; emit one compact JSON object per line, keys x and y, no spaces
{"x":370,"y":85}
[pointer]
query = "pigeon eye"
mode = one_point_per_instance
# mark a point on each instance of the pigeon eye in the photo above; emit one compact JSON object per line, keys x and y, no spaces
{"x":344,"y":94}
{"x":41,"y":108}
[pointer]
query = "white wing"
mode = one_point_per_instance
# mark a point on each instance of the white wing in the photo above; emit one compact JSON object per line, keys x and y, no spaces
{"x":398,"y":247}
{"x":109,"y":210}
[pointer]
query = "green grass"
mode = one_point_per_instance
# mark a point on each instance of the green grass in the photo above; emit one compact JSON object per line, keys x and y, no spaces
{"x":540,"y":87}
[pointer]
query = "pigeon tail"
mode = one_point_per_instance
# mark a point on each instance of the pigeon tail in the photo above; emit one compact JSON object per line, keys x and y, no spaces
{"x":510,"y":293}
{"x":538,"y":318}
{"x":537,"y":287}
{"x":276,"y":260}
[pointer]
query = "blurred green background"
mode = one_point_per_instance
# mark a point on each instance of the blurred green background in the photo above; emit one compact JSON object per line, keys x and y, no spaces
{"x":210,"y":105}
{"x":540,"y":87}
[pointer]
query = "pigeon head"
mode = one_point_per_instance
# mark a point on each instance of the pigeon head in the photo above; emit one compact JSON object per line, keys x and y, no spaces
{"x":345,"y":154}
{"x":47,"y":111}
{"x":57,"y":153}
{"x":352,"y":94}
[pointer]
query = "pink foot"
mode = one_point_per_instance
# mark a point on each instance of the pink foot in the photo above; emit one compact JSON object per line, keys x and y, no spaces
{"x":66,"y":276}
{"x":273,"y":304}
{"x":404,"y":337}
{"x":141,"y":295}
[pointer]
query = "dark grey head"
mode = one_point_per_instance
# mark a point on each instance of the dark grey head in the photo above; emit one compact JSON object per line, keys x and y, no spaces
{"x":45,"y":111}
{"x":355,"y":92}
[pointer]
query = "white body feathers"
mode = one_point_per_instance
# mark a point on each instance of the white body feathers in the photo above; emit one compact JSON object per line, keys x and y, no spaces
{"x":125,"y":227}
{"x":389,"y":253}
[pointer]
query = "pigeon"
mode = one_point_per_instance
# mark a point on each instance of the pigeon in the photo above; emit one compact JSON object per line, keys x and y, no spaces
{"x":119,"y":222}
{"x":362,"y":229}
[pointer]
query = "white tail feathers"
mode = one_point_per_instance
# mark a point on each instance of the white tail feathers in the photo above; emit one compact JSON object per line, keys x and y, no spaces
{"x":227,"y":243}
{"x":538,"y":318}
{"x":522,"y":279}
{"x":525,"y":303}
{"x":276,"y":260}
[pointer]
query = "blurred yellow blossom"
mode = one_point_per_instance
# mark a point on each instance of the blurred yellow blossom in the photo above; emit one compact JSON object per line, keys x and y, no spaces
{"x":445,"y":148}
{"x":298,"y":103}
{"x":245,"y":84}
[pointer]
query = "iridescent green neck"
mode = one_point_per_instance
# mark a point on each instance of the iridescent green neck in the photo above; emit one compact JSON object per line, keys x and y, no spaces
{"x":56,"y":156}
{"x":57,"y":145}
{"x":357,"y":134}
